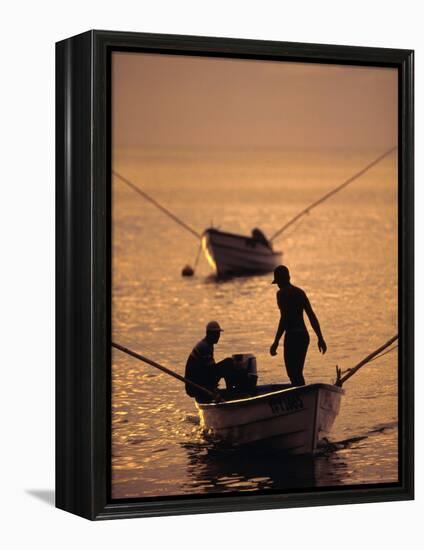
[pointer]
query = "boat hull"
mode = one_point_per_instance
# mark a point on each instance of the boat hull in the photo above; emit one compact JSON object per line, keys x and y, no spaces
{"x":231,"y":254}
{"x":293,"y":420}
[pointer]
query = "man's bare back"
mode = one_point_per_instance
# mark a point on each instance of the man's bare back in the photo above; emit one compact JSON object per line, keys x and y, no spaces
{"x":292,"y":302}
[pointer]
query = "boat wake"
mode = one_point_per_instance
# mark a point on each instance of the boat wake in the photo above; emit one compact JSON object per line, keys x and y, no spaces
{"x":215,"y":447}
{"x":327,"y":446}
{"x":219,"y":467}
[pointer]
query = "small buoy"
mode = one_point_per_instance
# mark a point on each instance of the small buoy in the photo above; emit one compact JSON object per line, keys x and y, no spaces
{"x":187,"y":271}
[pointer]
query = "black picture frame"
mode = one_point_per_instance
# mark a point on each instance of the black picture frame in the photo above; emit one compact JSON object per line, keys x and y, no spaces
{"x":83,"y":260}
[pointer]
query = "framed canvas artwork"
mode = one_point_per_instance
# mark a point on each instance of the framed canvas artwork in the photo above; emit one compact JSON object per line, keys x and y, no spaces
{"x":234,"y":274}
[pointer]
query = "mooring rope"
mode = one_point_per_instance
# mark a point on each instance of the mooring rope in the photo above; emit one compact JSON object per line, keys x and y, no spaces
{"x":373,"y":359}
{"x":331,"y":193}
{"x":373,"y":355}
{"x":170,"y":372}
{"x":199,"y":250}
{"x":158,"y":205}
{"x":381,"y":354}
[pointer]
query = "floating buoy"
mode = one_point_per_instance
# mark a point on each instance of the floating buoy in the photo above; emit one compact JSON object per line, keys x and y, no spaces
{"x":187,"y":271}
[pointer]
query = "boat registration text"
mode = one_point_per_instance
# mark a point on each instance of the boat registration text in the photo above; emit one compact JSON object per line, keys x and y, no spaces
{"x":287,"y":403}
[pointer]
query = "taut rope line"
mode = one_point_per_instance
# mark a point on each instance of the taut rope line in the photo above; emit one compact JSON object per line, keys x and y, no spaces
{"x":164,"y":369}
{"x":155,"y":203}
{"x":350,"y":372}
{"x":331,"y":193}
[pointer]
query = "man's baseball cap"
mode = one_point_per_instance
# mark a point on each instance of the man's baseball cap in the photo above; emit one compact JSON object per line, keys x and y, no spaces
{"x":281,"y":273}
{"x":213,"y":326}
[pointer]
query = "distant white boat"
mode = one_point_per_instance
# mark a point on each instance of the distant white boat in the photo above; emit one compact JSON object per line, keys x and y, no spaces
{"x":291,"y":419}
{"x":232,"y":254}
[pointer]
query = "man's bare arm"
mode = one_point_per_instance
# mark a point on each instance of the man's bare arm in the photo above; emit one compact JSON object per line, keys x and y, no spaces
{"x":313,"y":319}
{"x":280,"y":331}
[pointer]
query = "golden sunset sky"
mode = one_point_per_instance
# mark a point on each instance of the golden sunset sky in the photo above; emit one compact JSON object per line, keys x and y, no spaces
{"x":182,"y":101}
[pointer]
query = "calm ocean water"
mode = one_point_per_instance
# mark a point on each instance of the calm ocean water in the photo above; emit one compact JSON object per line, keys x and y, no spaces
{"x":344,"y":255}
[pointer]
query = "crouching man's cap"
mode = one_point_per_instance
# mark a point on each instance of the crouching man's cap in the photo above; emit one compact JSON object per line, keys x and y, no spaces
{"x":213,"y":326}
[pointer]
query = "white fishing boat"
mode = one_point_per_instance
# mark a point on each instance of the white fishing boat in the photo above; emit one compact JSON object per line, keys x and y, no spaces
{"x":291,"y":419}
{"x":232,"y":254}
{"x":277,"y":416}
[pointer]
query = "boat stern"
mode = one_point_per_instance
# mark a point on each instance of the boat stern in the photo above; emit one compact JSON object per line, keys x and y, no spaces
{"x":327,"y":409}
{"x":292,"y":420}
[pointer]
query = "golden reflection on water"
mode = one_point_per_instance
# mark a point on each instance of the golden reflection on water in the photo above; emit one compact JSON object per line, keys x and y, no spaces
{"x":344,"y":255}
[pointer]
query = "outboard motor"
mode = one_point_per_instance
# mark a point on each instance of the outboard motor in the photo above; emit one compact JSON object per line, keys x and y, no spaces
{"x":245,"y":374}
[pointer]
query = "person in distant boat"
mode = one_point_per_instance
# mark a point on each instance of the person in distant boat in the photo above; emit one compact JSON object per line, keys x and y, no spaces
{"x":292,"y":302}
{"x":259,"y":237}
{"x":201,"y":367}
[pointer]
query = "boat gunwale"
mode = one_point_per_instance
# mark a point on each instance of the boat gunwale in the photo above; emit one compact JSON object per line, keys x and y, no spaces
{"x":253,"y":398}
{"x":236,"y":236}
{"x":271,"y":253}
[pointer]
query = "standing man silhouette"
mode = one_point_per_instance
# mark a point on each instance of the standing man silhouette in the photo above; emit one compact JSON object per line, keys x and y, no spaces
{"x":292,"y":302}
